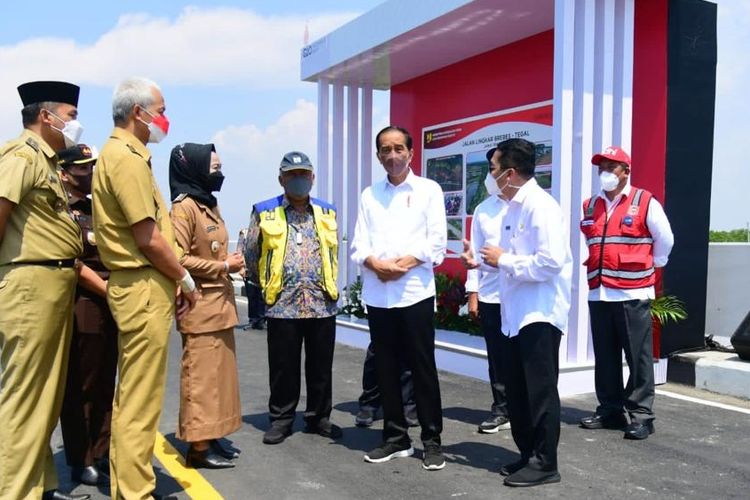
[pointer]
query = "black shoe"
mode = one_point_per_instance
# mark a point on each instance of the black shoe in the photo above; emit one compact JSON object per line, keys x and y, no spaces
{"x":276,"y":434}
{"x":433,"y":458}
{"x":59,"y":495}
{"x":325,"y":428}
{"x":638,"y":430}
{"x":365,"y":417}
{"x":532,"y":476}
{"x":229,"y":452}
{"x":206,"y":459}
{"x":600,"y":422}
{"x":513,"y":467}
{"x":88,"y":475}
{"x":258,"y":324}
{"x":387,"y":451}
{"x":493,"y":424}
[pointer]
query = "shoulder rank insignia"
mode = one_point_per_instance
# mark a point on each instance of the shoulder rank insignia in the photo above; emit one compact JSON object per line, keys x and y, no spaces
{"x":133,"y":150}
{"x":32,"y":144}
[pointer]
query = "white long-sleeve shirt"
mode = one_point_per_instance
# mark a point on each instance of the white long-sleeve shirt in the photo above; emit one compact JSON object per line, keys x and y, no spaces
{"x":394,"y":221}
{"x":537,"y":266}
{"x":661,"y":232}
{"x":485,"y":230}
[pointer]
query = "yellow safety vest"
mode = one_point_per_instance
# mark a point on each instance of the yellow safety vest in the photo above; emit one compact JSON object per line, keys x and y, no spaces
{"x":274,"y":232}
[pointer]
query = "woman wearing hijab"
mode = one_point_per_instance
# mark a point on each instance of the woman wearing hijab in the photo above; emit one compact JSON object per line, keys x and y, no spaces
{"x":209,"y":388}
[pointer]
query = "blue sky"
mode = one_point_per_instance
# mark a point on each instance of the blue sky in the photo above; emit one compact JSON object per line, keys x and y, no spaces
{"x":229,"y":70}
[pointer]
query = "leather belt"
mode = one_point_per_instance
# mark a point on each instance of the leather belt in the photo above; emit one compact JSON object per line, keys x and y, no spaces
{"x":47,"y":263}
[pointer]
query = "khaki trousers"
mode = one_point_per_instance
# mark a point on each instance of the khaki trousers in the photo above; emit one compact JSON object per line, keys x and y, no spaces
{"x":36,"y":317}
{"x":142,"y":303}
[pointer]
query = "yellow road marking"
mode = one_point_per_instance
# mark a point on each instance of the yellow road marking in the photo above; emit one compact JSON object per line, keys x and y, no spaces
{"x":191,"y":481}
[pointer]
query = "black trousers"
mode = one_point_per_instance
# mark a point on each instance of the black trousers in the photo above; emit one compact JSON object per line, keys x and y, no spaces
{"x":86,"y":413}
{"x":496,"y":342}
{"x":533,"y":401}
{"x":370,"y":397}
{"x":285,"y":338}
{"x":408,"y":334}
{"x":617,"y":327}
{"x":256,"y":307}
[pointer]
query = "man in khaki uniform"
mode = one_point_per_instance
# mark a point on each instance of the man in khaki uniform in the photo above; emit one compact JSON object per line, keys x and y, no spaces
{"x":39,"y":242}
{"x":136,"y":243}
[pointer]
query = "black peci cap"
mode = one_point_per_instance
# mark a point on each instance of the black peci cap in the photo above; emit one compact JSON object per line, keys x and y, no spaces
{"x":46,"y":91}
{"x":77,"y":155}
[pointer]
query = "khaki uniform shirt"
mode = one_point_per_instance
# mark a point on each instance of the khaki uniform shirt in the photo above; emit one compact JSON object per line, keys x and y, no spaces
{"x":41,"y":226}
{"x":202,"y":236}
{"x":125,"y":193}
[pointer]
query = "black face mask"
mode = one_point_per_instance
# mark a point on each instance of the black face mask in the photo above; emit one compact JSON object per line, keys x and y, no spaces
{"x":215,"y":180}
{"x":83,"y":182}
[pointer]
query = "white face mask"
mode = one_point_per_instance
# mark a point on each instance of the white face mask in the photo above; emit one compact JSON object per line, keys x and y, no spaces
{"x":608,"y":181}
{"x":71,"y":131}
{"x":490,"y":184}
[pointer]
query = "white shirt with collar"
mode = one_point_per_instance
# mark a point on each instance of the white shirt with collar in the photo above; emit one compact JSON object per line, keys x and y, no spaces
{"x":485,"y":230}
{"x":536,"y":267}
{"x":393,"y":221}
{"x":661,"y":232}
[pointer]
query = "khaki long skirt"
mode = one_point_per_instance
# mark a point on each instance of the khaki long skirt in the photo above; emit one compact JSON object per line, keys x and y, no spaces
{"x":209,"y":387}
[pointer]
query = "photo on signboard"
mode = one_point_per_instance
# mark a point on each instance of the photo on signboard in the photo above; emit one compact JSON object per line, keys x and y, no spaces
{"x":455,"y":229}
{"x":476,"y":171}
{"x":543,"y":177}
{"x":543,"y":153}
{"x":453,"y":202}
{"x":448,"y":171}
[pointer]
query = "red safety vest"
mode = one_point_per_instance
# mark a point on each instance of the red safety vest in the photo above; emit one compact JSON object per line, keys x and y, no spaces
{"x":621,"y":248}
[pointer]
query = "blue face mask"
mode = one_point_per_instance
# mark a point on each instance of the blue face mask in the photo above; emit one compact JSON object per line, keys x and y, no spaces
{"x":299,"y":186}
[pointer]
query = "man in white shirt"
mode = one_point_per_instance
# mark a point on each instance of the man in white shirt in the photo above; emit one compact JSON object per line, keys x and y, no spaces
{"x":400,"y":235}
{"x":628,"y":236}
{"x":484,"y":296}
{"x":535,"y":269}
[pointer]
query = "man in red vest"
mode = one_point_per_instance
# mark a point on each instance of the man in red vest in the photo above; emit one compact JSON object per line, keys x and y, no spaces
{"x":628,"y":236}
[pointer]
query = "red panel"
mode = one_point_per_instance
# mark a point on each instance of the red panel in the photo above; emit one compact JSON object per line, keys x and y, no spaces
{"x":650,"y":96}
{"x":650,"y":105}
{"x":506,"y":77}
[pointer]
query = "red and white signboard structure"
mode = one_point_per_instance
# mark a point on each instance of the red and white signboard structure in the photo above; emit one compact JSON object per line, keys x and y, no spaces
{"x":573,"y":76}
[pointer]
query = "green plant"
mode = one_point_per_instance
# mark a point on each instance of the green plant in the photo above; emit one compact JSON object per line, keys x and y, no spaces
{"x":450,"y":295}
{"x":666,"y":308}
{"x":353,"y":305}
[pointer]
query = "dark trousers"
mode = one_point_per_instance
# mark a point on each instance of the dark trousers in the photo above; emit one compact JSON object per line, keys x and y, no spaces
{"x":370,"y":397}
{"x":408,"y":334}
{"x":86,"y":413}
{"x":285,"y":338}
{"x":256,"y":307}
{"x":617,"y":327}
{"x":489,"y":320}
{"x":533,"y":401}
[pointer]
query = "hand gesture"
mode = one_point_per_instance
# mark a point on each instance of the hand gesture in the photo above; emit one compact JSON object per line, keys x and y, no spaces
{"x":467,"y":257}
{"x":491,"y":254}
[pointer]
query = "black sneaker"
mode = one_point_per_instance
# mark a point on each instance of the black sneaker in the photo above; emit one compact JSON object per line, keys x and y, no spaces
{"x":365,"y":417}
{"x":387,"y":451}
{"x":494,"y":423}
{"x":433,"y":458}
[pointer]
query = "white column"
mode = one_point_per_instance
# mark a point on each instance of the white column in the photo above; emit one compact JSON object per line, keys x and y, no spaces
{"x":584,"y":128}
{"x":365,"y":165}
{"x":562,"y":139}
{"x":337,"y":158}
{"x":352,"y":181}
{"x":323,"y":168}
{"x":623,"y":73}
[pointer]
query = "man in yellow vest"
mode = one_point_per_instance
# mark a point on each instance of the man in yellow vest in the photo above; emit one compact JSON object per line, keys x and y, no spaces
{"x":291,"y":250}
{"x":39,"y":243}
{"x":136,"y":243}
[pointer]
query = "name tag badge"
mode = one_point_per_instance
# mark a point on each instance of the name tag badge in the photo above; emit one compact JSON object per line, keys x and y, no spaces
{"x":506,"y":228}
{"x":211,"y":229}
{"x":627,"y":220}
{"x":587,"y":222}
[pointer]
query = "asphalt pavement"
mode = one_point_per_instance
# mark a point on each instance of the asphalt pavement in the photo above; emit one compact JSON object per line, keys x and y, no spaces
{"x":699,"y":450}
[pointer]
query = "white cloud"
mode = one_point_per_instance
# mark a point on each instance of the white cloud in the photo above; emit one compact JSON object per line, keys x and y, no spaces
{"x":210,"y":47}
{"x":251,"y":157}
{"x":218,"y":46}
